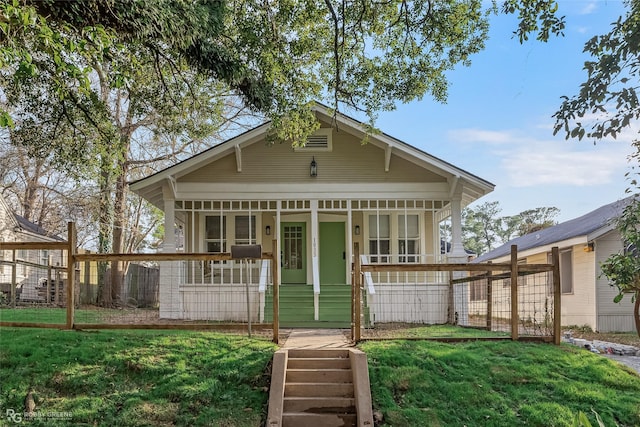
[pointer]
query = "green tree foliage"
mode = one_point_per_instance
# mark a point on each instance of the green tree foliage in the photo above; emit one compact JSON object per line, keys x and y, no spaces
{"x":279,"y":56}
{"x":484,"y":229}
{"x":607,"y":104}
{"x":623,"y":269}
{"x":607,"y":101}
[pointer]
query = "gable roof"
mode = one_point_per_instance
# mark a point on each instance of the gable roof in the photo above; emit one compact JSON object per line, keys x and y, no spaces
{"x":590,"y":226}
{"x":21,"y":224}
{"x":9,"y":214}
{"x":150,"y":187}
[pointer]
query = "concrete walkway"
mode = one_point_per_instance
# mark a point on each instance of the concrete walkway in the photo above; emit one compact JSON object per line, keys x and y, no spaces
{"x":317,"y":339}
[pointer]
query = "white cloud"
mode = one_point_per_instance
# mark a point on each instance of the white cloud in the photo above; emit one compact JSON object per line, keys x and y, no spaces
{"x":589,"y":8}
{"x":481,"y":135}
{"x":529,"y":160}
{"x":551,"y":163}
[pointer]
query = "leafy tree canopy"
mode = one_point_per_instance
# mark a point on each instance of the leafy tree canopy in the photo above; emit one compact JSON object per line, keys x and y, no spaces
{"x":278,"y":55}
{"x":607,"y":101}
{"x":484,"y":229}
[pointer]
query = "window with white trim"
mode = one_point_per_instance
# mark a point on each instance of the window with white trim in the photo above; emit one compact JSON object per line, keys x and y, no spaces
{"x":566,"y":271}
{"x":245,"y":230}
{"x":379,"y":237}
{"x":216,"y":233}
{"x":408,"y":237}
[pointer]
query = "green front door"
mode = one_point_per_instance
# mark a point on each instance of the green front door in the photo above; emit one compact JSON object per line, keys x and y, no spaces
{"x":294,"y":259}
{"x":333,"y":265}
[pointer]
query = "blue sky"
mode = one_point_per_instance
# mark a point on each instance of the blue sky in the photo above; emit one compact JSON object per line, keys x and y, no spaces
{"x":498,"y":123}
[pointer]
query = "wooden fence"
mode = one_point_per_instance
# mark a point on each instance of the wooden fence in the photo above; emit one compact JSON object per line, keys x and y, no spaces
{"x":486,"y":280}
{"x":517,"y":313}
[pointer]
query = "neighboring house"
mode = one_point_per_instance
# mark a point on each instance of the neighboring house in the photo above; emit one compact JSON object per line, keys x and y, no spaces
{"x":584,"y":243}
{"x":31,"y":265}
{"x":317,"y":201}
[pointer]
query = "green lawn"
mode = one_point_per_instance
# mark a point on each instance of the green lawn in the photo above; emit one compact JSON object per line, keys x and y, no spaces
{"x":419,"y":383}
{"x":184,"y":378}
{"x":53,"y":315}
{"x":134,"y":378}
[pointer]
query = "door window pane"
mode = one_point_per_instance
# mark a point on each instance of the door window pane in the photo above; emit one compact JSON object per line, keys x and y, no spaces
{"x":292,"y":247}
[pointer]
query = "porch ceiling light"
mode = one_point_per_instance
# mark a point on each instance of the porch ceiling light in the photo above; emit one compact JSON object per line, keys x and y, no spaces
{"x":313,"y":168}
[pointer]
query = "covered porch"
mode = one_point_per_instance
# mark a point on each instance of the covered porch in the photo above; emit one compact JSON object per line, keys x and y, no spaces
{"x":315,"y":238}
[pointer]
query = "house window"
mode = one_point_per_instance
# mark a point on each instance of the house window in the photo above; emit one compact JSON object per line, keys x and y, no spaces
{"x":566,"y":272}
{"x":379,"y":237}
{"x":216,"y":233}
{"x":44,"y":257}
{"x":21,"y":268}
{"x":478,"y":291}
{"x":245,"y":230}
{"x":408,"y":237}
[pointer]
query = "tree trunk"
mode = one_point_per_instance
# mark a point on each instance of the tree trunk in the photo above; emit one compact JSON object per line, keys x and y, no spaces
{"x":105,"y":219}
{"x":119,"y":214}
{"x":636,"y":312}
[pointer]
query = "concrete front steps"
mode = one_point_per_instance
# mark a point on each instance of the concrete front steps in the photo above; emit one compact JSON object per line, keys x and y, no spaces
{"x":320,"y":388}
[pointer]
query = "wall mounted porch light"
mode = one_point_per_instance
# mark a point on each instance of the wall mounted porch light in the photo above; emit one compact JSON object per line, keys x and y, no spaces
{"x":268,"y":230}
{"x":313,"y":168}
{"x":357,"y":230}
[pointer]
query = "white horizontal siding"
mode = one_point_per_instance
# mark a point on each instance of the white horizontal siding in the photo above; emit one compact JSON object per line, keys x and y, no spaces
{"x":426,"y":304}
{"x":579,"y":306}
{"x":225,"y":303}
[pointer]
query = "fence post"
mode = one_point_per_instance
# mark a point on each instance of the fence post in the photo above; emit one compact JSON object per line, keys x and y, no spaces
{"x":489,"y":299}
{"x":557,"y":295}
{"x":276,"y":291}
{"x":514,"y":292}
{"x":48,"y":299}
{"x":356,"y":292}
{"x":71,"y":258}
{"x":14,"y":279}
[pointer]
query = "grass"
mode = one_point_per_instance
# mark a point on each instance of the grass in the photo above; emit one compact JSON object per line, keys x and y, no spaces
{"x":399,"y":331}
{"x":52,"y":315}
{"x":184,"y":378}
{"x":497,"y":384}
{"x":134,"y":378}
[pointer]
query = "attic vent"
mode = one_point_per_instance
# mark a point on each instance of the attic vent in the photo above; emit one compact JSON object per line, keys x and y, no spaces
{"x":319,"y":141}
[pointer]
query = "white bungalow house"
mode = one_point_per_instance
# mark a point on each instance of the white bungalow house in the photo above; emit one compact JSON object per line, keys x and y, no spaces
{"x":31,"y":266}
{"x":584,"y":243}
{"x":317,"y":201}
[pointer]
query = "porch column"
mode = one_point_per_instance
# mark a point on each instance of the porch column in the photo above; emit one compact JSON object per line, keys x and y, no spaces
{"x":277,"y":234}
{"x":349,"y":247}
{"x":457,"y":248}
{"x":170,"y":298}
{"x":315,"y":265}
{"x":169,"y":245}
{"x":458,"y":255}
